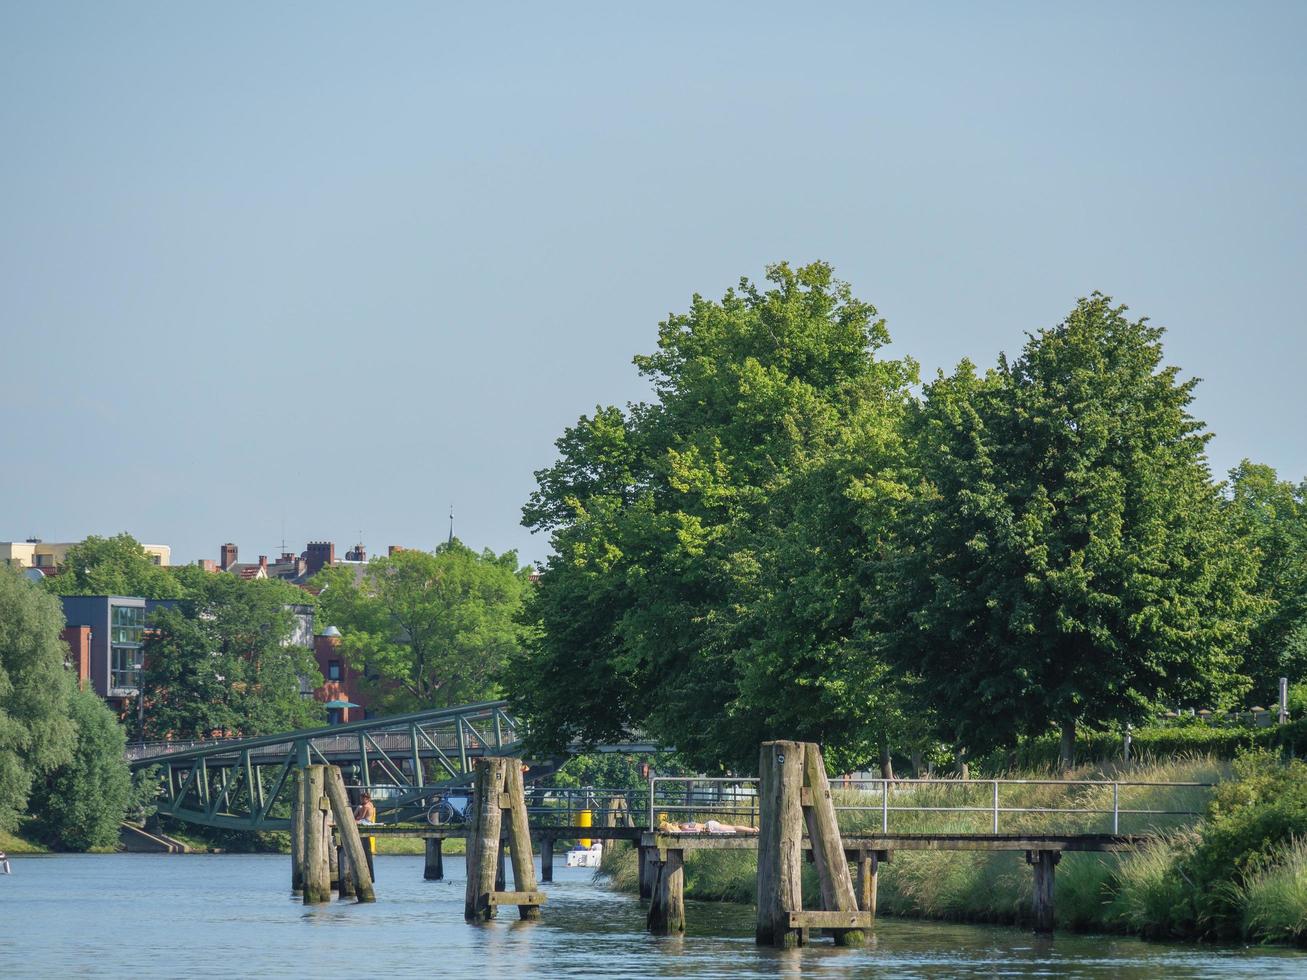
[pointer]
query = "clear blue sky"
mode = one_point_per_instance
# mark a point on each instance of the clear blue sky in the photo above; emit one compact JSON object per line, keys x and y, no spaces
{"x":338,"y":265}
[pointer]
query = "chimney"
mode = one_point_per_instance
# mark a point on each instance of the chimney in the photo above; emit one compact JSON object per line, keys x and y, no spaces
{"x":318,"y":555}
{"x":263,"y":562}
{"x":226,"y":556}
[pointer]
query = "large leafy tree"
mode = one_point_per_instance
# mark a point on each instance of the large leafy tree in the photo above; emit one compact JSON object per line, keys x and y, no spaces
{"x":427,"y":630}
{"x":221,"y":660}
{"x":81,"y":803}
{"x":678,"y":526}
{"x":1071,"y":564}
{"x":36,"y":734}
{"x":113,"y":566}
{"x":1270,"y":515}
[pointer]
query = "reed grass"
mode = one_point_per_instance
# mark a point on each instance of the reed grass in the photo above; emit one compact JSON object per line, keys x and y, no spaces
{"x":1274,"y":898}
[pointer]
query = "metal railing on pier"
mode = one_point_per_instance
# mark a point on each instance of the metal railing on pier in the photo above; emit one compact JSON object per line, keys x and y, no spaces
{"x":977,"y":806}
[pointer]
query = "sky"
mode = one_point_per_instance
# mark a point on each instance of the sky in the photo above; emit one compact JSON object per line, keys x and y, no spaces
{"x":317,"y":271}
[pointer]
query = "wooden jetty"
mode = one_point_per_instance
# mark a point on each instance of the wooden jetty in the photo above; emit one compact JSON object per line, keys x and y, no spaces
{"x":797,"y":822}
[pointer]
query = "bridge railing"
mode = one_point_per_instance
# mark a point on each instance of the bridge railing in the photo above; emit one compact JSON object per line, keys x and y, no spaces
{"x":975,"y":806}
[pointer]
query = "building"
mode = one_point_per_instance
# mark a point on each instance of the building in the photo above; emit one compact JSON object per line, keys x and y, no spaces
{"x":289,"y":567}
{"x":47,"y":556}
{"x":341,"y":683}
{"x":105,"y":636}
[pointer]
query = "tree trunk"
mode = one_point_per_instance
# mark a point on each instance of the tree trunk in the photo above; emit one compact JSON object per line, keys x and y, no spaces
{"x":886,"y":763}
{"x":960,"y":760}
{"x":1067,"y":750}
{"x":916,"y":764}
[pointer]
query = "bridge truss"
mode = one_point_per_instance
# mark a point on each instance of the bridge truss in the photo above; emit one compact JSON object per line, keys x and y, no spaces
{"x":404,"y":762}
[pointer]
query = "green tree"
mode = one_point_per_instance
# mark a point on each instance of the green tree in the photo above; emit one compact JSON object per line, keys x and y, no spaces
{"x":222,"y":660}
{"x":427,"y":630}
{"x":36,"y":734}
{"x":1270,"y":515}
{"x":113,"y":566}
{"x":80,"y":804}
{"x":1071,"y":564}
{"x":676,"y":526}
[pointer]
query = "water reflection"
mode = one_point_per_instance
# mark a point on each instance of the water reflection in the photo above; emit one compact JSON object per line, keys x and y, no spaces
{"x":141,"y":915}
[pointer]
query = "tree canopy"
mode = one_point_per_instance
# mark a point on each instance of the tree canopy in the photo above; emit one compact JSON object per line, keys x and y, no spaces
{"x":1070,"y":563}
{"x":113,"y":566}
{"x":427,"y":630}
{"x":679,"y":525}
{"x":221,"y":660}
{"x":1270,"y":515}
{"x":36,"y":734}
{"x":82,"y":802}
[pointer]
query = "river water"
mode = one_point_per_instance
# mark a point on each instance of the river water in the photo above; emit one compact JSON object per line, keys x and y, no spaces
{"x":233,"y":915}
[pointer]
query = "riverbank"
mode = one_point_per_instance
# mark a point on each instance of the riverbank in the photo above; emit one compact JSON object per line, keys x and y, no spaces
{"x":1238,"y":872}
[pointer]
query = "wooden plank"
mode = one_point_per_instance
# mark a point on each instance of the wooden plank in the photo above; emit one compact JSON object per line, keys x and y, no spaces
{"x":779,"y":843}
{"x":853,"y":921}
{"x":522,"y":899}
{"x":827,"y":848}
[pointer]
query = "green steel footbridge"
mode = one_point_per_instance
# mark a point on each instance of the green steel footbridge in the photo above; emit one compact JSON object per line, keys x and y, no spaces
{"x":405,"y":762}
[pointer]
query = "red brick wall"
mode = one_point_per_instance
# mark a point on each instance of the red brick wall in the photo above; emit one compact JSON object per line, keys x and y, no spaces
{"x":78,"y":639}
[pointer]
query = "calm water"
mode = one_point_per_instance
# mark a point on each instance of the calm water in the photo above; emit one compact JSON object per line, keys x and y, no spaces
{"x":232,"y":915}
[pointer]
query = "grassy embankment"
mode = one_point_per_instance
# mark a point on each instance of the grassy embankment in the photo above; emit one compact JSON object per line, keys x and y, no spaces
{"x":1241,"y":871}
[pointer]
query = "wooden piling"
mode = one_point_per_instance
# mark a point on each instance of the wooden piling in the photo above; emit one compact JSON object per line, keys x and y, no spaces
{"x":349,"y":834}
{"x":435,"y":864}
{"x":1042,"y":903}
{"x":780,"y":843}
{"x":483,"y":841}
{"x":297,"y":832}
{"x":868,"y":872}
{"x":345,"y":879}
{"x":645,"y":869}
{"x":317,"y":888}
{"x":667,"y":904}
{"x":519,"y":838}
{"x":501,"y":880}
{"x":547,"y":859}
{"x":827,"y":847}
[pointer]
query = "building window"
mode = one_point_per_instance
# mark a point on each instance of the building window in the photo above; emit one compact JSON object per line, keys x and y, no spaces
{"x":333,"y":670}
{"x":127,"y":625}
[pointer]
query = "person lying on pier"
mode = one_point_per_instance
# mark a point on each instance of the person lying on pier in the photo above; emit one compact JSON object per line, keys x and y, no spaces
{"x":366,"y":811}
{"x":708,"y":827}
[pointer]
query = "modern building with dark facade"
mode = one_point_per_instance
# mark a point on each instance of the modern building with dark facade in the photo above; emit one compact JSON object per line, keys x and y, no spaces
{"x":117,"y":637}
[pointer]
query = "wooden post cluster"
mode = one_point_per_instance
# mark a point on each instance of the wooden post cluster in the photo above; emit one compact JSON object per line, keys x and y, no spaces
{"x":499,"y":790}
{"x":321,"y":796}
{"x":794,"y":791}
{"x":1042,"y":904}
